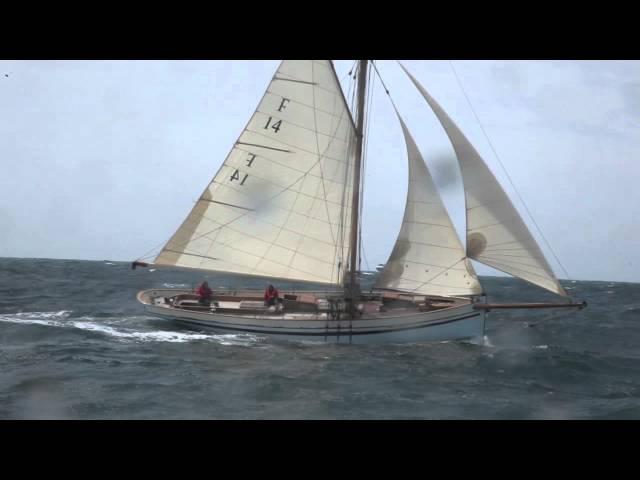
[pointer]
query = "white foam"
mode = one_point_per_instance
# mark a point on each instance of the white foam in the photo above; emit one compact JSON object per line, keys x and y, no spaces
{"x":37,"y":318}
{"x":236,"y":339}
{"x":174,"y":285}
{"x":160,"y":336}
{"x":487,"y":342}
{"x":59,"y":314}
{"x":541,"y":347}
{"x":55,"y":319}
{"x":165,"y":336}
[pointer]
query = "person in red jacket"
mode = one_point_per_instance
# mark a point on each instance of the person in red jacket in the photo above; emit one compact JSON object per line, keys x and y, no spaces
{"x":205,"y":293}
{"x":271,"y":295}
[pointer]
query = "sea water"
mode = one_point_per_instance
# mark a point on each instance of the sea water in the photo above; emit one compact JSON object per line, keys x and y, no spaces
{"x":75,"y":344}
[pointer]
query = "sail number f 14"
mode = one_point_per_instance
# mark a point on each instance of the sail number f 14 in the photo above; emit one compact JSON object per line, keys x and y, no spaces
{"x":236,"y":174}
{"x":275,"y":126}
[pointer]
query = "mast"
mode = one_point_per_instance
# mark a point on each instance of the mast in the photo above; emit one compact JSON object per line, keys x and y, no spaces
{"x":353,"y":289}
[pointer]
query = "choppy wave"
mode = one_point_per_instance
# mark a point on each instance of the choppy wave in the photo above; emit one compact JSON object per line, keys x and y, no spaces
{"x":632,"y":310}
{"x":76,"y":344}
{"x":37,"y":318}
{"x":105,"y":326}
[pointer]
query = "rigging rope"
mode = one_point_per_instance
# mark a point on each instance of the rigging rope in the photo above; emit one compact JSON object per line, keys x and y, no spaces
{"x":505,"y":170}
{"x":366,"y":262}
{"x":386,"y":90}
{"x":355,"y":63}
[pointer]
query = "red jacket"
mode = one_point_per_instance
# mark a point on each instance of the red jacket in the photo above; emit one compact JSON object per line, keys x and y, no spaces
{"x":204,"y":292}
{"x":269,"y":295}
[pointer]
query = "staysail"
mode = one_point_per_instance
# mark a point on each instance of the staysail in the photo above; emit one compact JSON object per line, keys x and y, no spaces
{"x":496,"y":234}
{"x":280,"y":204}
{"x":428,"y":257}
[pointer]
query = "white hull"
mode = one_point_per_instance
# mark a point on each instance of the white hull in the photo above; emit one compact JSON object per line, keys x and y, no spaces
{"x":460,"y":322}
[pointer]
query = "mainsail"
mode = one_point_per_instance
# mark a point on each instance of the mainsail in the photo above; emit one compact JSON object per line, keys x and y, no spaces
{"x":280,"y":204}
{"x":496,"y":234}
{"x":428,"y":257}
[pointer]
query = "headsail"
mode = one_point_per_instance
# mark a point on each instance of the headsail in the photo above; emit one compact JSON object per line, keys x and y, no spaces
{"x":280,"y":204}
{"x":428,"y":257}
{"x":496,"y":234}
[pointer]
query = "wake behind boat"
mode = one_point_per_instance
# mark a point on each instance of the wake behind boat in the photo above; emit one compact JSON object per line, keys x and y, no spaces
{"x":285,"y":204}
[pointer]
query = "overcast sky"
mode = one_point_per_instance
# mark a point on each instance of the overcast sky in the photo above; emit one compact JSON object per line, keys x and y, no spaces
{"x":103,"y":159}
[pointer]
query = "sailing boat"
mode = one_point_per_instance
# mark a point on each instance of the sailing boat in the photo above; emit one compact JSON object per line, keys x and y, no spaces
{"x":285,"y":204}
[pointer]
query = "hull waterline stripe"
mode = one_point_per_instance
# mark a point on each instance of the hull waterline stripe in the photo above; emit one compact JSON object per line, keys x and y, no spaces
{"x":323,"y":330}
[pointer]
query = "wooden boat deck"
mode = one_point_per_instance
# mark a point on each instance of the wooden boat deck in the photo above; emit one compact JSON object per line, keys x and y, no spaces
{"x":301,"y":305}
